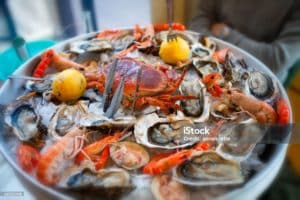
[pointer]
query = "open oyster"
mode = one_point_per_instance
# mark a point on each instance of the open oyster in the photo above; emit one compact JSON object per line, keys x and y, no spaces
{"x":167,"y":133}
{"x":209,"y":168}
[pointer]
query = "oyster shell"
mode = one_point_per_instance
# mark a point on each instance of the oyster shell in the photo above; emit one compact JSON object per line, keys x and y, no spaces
{"x":109,"y":183}
{"x":39,"y":86}
{"x":90,"y":46}
{"x":201,"y":51}
{"x":197,"y":109}
{"x":205,"y":66}
{"x":24,"y":122}
{"x":209,"y":168}
{"x":166,"y":133}
{"x":241,"y":139}
{"x":66,"y":117}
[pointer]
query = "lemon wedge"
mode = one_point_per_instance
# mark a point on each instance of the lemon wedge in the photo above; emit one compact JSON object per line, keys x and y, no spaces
{"x":174,"y":51}
{"x":68,"y":85}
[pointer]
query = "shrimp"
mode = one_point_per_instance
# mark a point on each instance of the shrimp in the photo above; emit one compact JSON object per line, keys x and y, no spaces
{"x":51,"y":164}
{"x":262,"y":111}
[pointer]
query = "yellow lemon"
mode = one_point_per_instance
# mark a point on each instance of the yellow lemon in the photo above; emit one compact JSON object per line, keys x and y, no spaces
{"x":174,"y":51}
{"x":68,"y":85}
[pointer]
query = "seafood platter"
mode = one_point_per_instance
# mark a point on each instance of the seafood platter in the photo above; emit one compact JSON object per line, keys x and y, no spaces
{"x":104,"y":116}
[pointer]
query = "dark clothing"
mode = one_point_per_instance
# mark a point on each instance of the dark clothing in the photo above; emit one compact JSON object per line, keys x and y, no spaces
{"x":268,"y":29}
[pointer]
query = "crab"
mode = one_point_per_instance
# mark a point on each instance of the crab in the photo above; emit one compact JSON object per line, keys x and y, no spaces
{"x":156,"y":84}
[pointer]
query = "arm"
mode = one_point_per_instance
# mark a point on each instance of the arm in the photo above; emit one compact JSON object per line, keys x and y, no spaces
{"x":280,"y":54}
{"x":206,"y":13}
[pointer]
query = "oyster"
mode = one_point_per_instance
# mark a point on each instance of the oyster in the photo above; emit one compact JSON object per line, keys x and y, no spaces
{"x":235,"y":71}
{"x":209,"y":168}
{"x":122,"y":42}
{"x":198,"y":109}
{"x":66,"y":117}
{"x":205,"y":67}
{"x":165,"y":187}
{"x":24,"y":122}
{"x":201,"y":51}
{"x":39,"y":86}
{"x":167,"y":133}
{"x":109,"y":183}
{"x":241,"y":140}
{"x":90,"y":46}
{"x":129,"y":155}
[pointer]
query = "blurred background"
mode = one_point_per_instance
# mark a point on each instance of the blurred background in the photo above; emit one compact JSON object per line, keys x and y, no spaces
{"x":42,"y":23}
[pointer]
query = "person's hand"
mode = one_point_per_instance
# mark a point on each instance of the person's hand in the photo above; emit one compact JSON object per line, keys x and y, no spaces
{"x":220,"y":30}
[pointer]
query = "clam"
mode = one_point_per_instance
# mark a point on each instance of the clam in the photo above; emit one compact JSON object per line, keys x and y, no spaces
{"x":209,"y":168}
{"x":165,"y":187}
{"x":262,"y":86}
{"x":166,"y":133}
{"x":129,"y":155}
{"x":198,"y":109}
{"x":97,"y":45}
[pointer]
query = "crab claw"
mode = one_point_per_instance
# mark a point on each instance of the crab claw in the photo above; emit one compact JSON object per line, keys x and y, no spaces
{"x":163,"y":162}
{"x":95,"y":148}
{"x":50,"y":57}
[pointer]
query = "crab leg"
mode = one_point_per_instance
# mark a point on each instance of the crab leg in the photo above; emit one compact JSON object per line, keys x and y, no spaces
{"x":163,"y":162}
{"x":102,"y":159}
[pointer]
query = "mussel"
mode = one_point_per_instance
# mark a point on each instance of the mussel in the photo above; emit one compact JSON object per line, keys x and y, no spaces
{"x":209,"y":168}
{"x":167,"y":133}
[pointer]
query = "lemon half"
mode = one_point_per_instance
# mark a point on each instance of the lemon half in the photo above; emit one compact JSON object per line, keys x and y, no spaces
{"x":68,"y":85}
{"x":174,"y":51}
